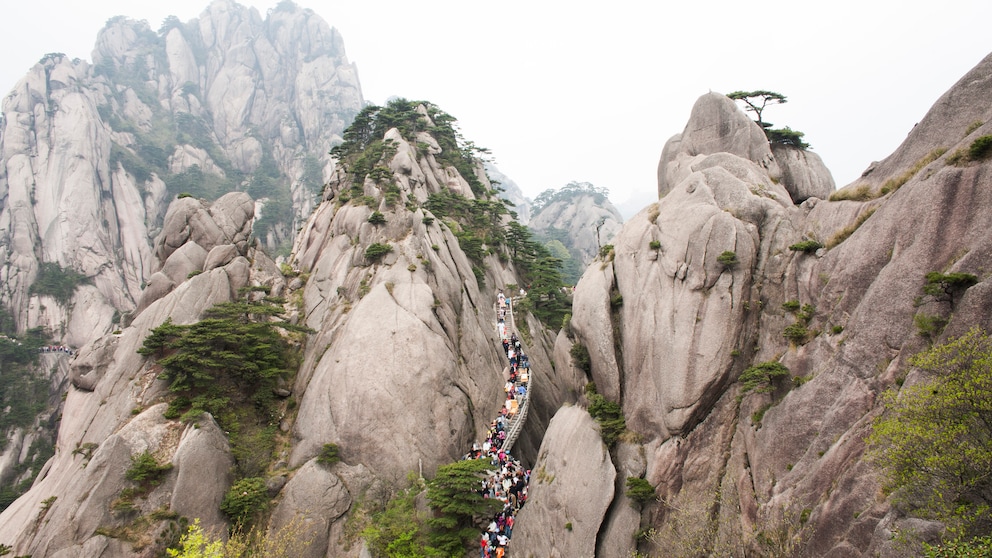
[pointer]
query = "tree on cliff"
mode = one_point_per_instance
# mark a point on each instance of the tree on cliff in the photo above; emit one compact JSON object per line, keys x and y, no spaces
{"x":935,"y":439}
{"x":454,"y":496}
{"x":756,"y":102}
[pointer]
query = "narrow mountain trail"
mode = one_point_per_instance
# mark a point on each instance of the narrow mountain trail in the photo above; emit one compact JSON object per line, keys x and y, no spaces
{"x":508,"y":482}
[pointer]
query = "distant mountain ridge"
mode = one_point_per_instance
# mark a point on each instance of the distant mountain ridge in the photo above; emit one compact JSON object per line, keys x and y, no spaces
{"x":580,"y":218}
{"x":228,"y":101}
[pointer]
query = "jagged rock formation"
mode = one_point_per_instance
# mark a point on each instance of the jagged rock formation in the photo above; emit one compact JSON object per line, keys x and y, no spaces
{"x":670,"y":325}
{"x":115,"y":410}
{"x":581,"y":216}
{"x":92,"y":154}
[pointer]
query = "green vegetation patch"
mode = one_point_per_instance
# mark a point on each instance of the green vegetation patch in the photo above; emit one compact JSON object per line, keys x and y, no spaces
{"x":55,"y":281}
{"x":933,"y":440}
{"x":580,"y":357}
{"x":376,"y":251}
{"x":640,"y":490}
{"x":980,"y":148}
{"x":727,"y":259}
{"x":246,"y":500}
{"x":762,"y":378}
{"x":607,"y":414}
{"x":806,"y":246}
{"x":229,"y":364}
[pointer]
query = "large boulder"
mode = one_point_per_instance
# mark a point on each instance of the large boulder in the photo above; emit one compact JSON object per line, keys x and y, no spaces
{"x":716,"y":125}
{"x":803,"y":173}
{"x":315,"y":498}
{"x":570,"y":490}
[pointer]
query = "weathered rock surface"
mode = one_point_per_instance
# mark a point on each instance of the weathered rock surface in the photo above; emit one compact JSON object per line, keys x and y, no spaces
{"x":803,"y":173}
{"x":570,"y":490}
{"x":670,"y":329}
{"x":114,"y":411}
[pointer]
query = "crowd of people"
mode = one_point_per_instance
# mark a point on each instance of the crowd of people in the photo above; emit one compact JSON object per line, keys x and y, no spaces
{"x":508,"y":481}
{"x":57,"y":349}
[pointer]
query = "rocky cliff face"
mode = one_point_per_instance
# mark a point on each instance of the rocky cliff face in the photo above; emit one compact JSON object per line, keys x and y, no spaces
{"x":92,"y":154}
{"x":114,"y":409}
{"x":670,"y":325}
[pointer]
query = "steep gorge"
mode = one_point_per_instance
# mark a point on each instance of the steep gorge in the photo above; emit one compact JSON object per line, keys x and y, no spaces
{"x":401,"y":370}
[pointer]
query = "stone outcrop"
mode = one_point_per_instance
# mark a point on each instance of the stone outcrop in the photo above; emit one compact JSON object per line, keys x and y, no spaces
{"x":670,"y":328}
{"x":803,"y":173}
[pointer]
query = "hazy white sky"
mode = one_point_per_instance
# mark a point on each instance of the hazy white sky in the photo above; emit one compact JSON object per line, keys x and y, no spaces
{"x":562,"y":91}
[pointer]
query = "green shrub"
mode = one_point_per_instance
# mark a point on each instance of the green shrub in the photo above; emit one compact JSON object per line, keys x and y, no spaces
{"x":609,"y":416}
{"x":727,"y":259}
{"x":929,"y":326}
{"x":182,"y":195}
{"x":790,"y":305}
{"x":145,"y":469}
{"x":640,"y":490}
{"x":245,"y":500}
{"x":329,"y":455}
{"x":655,"y":245}
{"x":948,"y":284}
{"x":797,"y":333}
{"x":806,"y":246}
{"x":761,"y":378}
{"x":376,"y":251}
{"x":760,"y":414}
{"x":606,"y":252}
{"x":580,"y":357}
{"x":836,"y":329}
{"x":456,"y":502}
{"x":377,"y":218}
{"x":980,"y":148}
{"x":176,"y":407}
{"x":932,"y":441}
{"x":616,"y":300}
